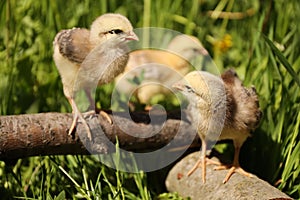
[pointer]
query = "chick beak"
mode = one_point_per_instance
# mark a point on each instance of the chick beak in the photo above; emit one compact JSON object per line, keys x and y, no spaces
{"x":132,"y":36}
{"x":203,"y":51}
{"x":178,"y":86}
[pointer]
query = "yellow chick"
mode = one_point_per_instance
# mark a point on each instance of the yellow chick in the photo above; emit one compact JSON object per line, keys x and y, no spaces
{"x":87,"y":57}
{"x":221,"y":108}
{"x":157,"y":69}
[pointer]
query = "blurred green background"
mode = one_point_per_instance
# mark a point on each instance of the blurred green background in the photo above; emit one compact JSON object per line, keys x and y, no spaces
{"x":232,"y":32}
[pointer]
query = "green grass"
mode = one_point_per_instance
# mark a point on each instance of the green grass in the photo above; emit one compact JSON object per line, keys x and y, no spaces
{"x":262,"y":47}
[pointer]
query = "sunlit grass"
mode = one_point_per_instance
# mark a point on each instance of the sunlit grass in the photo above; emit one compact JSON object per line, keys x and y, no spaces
{"x":264,"y":51}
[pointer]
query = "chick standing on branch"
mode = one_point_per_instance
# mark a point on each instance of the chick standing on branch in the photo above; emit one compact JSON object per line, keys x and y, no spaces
{"x":85,"y":58}
{"x":222,"y":108}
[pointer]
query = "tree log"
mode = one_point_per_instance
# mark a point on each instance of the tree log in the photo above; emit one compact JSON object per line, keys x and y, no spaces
{"x":47,"y":134}
{"x":238,"y":187}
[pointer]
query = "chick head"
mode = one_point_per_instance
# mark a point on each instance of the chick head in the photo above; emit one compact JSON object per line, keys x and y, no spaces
{"x":109,"y":26}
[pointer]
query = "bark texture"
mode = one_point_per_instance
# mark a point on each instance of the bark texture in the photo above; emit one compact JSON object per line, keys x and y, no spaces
{"x":47,"y":133}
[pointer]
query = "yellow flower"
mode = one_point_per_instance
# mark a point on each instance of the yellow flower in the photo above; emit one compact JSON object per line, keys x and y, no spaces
{"x":223,"y":44}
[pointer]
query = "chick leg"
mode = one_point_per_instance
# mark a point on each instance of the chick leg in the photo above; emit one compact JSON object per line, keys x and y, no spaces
{"x":77,"y":115}
{"x":92,"y":106}
{"x":202,"y":160}
{"x":235,"y":167}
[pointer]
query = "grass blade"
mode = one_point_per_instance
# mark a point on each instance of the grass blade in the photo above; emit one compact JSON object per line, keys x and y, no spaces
{"x":282,"y":59}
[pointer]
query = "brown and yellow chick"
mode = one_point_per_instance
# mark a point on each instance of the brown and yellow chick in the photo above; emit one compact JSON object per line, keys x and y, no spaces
{"x":85,"y":58}
{"x":222,"y":108}
{"x":159,"y":69}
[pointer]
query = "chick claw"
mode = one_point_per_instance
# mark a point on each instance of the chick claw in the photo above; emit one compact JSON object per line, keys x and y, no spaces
{"x":89,"y":114}
{"x":106,"y":116}
{"x":79,"y":118}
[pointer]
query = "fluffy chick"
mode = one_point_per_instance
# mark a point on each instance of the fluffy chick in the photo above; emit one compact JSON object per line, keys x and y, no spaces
{"x":85,"y":57}
{"x":222,"y":108}
{"x":158,"y":69}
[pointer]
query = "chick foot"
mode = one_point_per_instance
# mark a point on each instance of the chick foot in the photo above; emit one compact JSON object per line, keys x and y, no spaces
{"x":89,"y":114}
{"x":233,"y":169}
{"x":203,"y":161}
{"x":198,"y":164}
{"x":78,"y":117}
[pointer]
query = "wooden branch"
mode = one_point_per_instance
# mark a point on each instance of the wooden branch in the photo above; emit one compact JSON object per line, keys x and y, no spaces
{"x":238,"y":187}
{"x":46,"y":134}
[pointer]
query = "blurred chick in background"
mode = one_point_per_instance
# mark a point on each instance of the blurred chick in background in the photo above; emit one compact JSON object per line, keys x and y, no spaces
{"x":85,"y":58}
{"x":221,"y":108}
{"x":150,"y":71}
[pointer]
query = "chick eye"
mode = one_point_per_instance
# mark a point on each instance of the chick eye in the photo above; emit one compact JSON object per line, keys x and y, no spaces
{"x":189,"y":89}
{"x":115,"y":31}
{"x":195,"y":50}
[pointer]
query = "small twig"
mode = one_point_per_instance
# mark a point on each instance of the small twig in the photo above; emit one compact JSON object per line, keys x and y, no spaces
{"x":231,"y":15}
